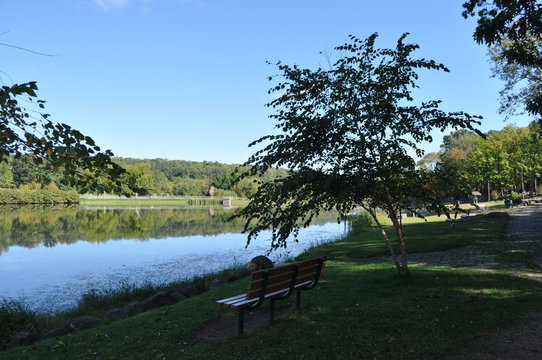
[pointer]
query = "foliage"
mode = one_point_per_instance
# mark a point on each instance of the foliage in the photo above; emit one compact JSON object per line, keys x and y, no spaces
{"x":345,"y":135}
{"x":494,"y":195}
{"x":62,"y":146}
{"x":37,"y":196}
{"x":138,"y":180}
{"x":15,"y":318}
{"x":361,"y":221}
{"x":513,"y":29}
{"x":522,"y":83}
{"x":515,"y":20}
{"x":496,"y":160}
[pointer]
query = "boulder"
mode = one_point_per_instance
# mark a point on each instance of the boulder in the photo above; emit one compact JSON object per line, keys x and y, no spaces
{"x":193,"y":289}
{"x":159,"y":299}
{"x":116,"y":314}
{"x":218,"y":282}
{"x":259,"y":263}
{"x":21,"y":339}
{"x":55,"y":333}
{"x":199,"y":285}
{"x":83,"y":322}
{"x":135,"y":307}
{"x":177,"y":296}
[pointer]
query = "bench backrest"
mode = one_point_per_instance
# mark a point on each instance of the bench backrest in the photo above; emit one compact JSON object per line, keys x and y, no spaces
{"x":281,"y":278}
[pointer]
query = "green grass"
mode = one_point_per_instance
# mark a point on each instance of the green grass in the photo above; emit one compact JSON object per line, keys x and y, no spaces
{"x":421,"y":236}
{"x":359,"y":310}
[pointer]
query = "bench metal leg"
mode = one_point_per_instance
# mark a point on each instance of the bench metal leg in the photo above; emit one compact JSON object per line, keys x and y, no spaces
{"x":272,"y":312}
{"x":298,"y":300}
{"x":241,"y":322}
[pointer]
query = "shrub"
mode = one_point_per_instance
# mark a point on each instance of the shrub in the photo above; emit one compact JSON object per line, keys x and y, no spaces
{"x":514,"y":195}
{"x":494,"y":195}
{"x":361,"y":221}
{"x":42,"y":196}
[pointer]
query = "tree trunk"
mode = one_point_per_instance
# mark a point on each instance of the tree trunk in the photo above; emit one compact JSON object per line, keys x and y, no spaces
{"x":386,"y":238}
{"x":402,"y":245}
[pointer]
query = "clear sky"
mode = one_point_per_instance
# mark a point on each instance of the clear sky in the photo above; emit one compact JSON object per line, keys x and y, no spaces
{"x":186,"y":79}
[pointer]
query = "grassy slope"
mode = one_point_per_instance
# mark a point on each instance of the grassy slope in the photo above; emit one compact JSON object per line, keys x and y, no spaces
{"x":360,"y":310}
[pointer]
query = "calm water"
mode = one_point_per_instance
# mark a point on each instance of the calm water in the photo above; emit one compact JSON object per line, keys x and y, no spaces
{"x":49,"y":257}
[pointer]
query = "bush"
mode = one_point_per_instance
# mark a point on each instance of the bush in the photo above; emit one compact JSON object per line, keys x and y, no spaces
{"x":15,"y":318}
{"x":361,"y":221}
{"x":514,"y":195}
{"x":41,"y":196}
{"x":494,"y":195}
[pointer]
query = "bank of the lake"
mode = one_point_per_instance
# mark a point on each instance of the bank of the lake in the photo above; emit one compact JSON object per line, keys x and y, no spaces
{"x":360,"y":310}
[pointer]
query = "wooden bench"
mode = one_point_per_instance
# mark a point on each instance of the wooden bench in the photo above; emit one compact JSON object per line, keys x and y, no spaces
{"x":276,"y":283}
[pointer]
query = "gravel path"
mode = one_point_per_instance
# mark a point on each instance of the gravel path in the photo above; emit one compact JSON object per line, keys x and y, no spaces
{"x":521,"y":246}
{"x":519,"y":250}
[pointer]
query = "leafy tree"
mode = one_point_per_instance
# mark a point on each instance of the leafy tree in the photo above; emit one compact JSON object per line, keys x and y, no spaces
{"x":345,"y":136}
{"x":26,"y":130}
{"x":522,"y":90}
{"x":513,"y":29}
{"x":6,"y":175}
{"x":246,"y":187}
{"x":138,"y":179}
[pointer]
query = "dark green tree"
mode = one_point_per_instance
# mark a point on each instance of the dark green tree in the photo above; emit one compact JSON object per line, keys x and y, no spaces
{"x":345,"y":135}
{"x":25,"y":129}
{"x":513,"y":28}
{"x":522,"y":90}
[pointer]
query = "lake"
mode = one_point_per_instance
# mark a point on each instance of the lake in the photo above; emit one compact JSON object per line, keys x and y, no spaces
{"x":51,"y":256}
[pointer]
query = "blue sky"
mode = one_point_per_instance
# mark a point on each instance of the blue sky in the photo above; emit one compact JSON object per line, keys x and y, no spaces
{"x":186,"y":79}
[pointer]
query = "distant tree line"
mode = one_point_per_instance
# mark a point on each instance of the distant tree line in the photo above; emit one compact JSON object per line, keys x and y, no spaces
{"x":501,"y":164}
{"x":143,"y":177}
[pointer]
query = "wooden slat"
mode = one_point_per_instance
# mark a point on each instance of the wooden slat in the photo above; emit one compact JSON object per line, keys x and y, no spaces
{"x":272,"y":280}
{"x":256,"y":275}
{"x":231,"y":299}
{"x":278,"y":282}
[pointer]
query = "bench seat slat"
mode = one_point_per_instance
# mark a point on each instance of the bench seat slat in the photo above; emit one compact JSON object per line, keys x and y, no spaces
{"x":240,"y":301}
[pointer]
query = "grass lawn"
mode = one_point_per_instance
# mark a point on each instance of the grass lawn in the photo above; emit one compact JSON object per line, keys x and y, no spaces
{"x":359,"y":310}
{"x":434,"y":234}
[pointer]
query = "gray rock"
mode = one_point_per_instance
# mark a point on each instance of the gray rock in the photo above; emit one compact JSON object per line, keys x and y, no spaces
{"x":193,"y":289}
{"x":116,"y":314}
{"x":177,"y":296}
{"x":218,"y":282}
{"x":55,"y":333}
{"x":159,"y":299}
{"x":21,"y":339}
{"x":135,"y":307}
{"x":260,"y":262}
{"x":83,"y":322}
{"x":199,"y":285}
